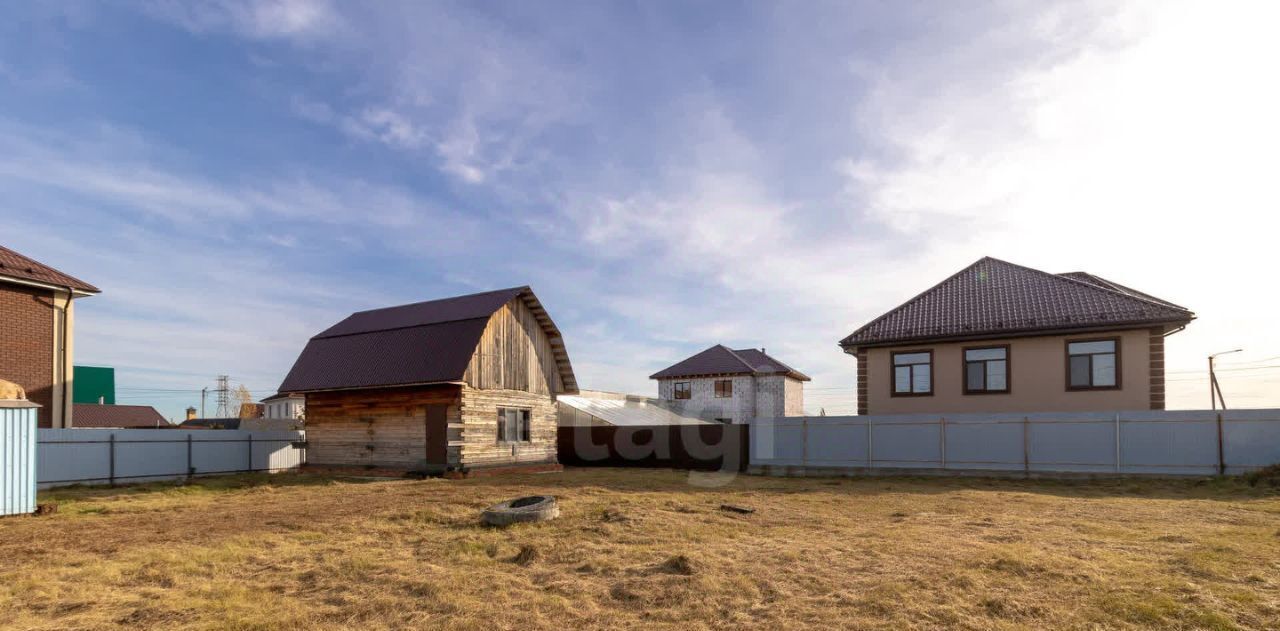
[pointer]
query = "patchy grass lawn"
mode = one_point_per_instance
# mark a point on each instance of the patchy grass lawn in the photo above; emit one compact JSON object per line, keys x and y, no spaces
{"x":636,"y":548}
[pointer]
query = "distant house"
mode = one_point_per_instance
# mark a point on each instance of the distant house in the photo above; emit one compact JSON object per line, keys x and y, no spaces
{"x":284,"y":406}
{"x":462,"y":383}
{"x":210,"y":423}
{"x":999,"y":337}
{"x":93,"y":416}
{"x":37,"y":331}
{"x":733,"y":386}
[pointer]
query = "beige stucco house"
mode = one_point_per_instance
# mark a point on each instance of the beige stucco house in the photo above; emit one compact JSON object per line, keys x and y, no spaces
{"x":999,"y":337}
{"x":732,"y":386}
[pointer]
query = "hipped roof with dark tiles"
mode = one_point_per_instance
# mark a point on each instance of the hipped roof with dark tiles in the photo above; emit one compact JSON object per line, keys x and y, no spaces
{"x":721,"y":360}
{"x":419,"y":343}
{"x":17,"y":266}
{"x":89,"y":415}
{"x":992,"y":298}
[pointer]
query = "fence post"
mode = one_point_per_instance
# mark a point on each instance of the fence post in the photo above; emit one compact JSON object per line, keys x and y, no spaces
{"x":111,"y":459}
{"x":250,"y":467}
{"x":870,"y":460}
{"x":804,"y":441}
{"x":942,"y":440}
{"x":191,"y":469}
{"x":1026,"y":445}
{"x":1222,"y":460}
{"x":1118,"y":463}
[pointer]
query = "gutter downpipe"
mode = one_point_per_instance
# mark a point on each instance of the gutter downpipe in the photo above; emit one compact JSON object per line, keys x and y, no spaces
{"x":66,"y":368}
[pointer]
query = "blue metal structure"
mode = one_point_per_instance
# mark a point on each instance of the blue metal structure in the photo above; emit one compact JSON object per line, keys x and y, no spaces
{"x":17,"y":457}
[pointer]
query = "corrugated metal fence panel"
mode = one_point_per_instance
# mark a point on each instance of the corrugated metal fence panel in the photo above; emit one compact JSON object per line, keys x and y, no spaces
{"x":17,"y":460}
{"x":102,"y":456}
{"x":1137,"y":442}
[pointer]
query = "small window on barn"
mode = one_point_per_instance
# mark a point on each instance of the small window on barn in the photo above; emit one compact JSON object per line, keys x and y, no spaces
{"x":1093,"y":364}
{"x":682,"y":390}
{"x":724,"y":388}
{"x":986,"y":370}
{"x":513,"y":426}
{"x":912,"y":374}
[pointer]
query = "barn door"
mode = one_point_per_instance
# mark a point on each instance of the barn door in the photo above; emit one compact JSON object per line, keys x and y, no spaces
{"x":438,"y":434}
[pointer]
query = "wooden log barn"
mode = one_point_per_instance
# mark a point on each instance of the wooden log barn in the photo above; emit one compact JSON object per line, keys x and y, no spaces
{"x":465,"y":384}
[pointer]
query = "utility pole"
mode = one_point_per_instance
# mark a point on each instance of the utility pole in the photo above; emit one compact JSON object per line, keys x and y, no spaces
{"x":203,"y":391}
{"x":1215,"y":391}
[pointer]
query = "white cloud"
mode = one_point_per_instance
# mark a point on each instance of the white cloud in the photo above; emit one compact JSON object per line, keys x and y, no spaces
{"x":261,"y":19}
{"x":1141,"y":152}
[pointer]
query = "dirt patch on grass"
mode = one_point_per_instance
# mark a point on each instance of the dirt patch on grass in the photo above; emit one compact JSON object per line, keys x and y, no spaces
{"x":636,"y":548}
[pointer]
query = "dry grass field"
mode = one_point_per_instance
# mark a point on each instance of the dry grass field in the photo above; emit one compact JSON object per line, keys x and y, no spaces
{"x":646,"y":549}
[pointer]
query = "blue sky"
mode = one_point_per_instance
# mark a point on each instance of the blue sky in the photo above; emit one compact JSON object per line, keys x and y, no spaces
{"x":238,"y":175}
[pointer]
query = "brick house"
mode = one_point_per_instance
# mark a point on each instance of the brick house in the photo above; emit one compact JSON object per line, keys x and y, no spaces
{"x":999,"y":337}
{"x":733,"y":386}
{"x":37,"y":331}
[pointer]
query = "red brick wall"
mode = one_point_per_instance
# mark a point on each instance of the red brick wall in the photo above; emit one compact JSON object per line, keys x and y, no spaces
{"x":26,"y":344}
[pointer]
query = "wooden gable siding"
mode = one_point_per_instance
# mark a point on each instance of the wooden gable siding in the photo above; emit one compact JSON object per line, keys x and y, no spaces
{"x":385,"y":427}
{"x":514,"y":353}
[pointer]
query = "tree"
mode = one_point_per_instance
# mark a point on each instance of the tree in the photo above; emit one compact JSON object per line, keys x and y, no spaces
{"x":243,"y":400}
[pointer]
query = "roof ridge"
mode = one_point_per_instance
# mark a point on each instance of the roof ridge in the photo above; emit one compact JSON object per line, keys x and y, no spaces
{"x":916,"y":297}
{"x":739,"y":358}
{"x":520,"y":288}
{"x":1060,"y":278}
{"x":1116,"y":288}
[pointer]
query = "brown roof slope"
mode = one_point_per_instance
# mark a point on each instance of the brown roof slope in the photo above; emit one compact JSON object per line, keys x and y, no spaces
{"x":14,"y":265}
{"x":420,"y":343}
{"x":89,"y":415}
{"x":721,"y":360}
{"x":994,"y":297}
{"x":1099,"y":281}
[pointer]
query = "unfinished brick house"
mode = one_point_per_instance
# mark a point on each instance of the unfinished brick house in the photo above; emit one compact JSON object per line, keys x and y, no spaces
{"x":733,"y":386}
{"x":37,"y":330}
{"x":460,"y":384}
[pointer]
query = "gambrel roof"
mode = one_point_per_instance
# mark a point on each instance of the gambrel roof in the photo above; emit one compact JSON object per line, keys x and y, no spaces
{"x":419,"y":343}
{"x":993,"y":298}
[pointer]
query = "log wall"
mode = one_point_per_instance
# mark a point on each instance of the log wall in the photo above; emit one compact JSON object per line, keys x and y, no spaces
{"x":383,"y":427}
{"x":480,"y":428}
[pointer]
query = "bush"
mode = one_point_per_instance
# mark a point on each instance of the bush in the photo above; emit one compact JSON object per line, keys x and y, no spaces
{"x":1269,"y":476}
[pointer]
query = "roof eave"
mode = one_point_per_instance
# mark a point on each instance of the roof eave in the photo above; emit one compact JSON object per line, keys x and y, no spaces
{"x":86,"y":290}
{"x":853,"y":347}
{"x":457,"y":382}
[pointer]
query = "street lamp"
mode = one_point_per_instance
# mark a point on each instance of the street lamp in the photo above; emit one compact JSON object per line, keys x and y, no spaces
{"x":1215,"y":393}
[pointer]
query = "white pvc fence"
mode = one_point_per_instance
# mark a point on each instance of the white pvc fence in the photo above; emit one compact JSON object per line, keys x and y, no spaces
{"x":111,"y":456}
{"x":1193,"y":442}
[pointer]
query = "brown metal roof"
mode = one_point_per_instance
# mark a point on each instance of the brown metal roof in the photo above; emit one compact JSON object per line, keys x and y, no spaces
{"x":17,"y":266}
{"x":420,"y":343}
{"x":721,"y":360}
{"x":89,"y":415}
{"x":994,"y":297}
